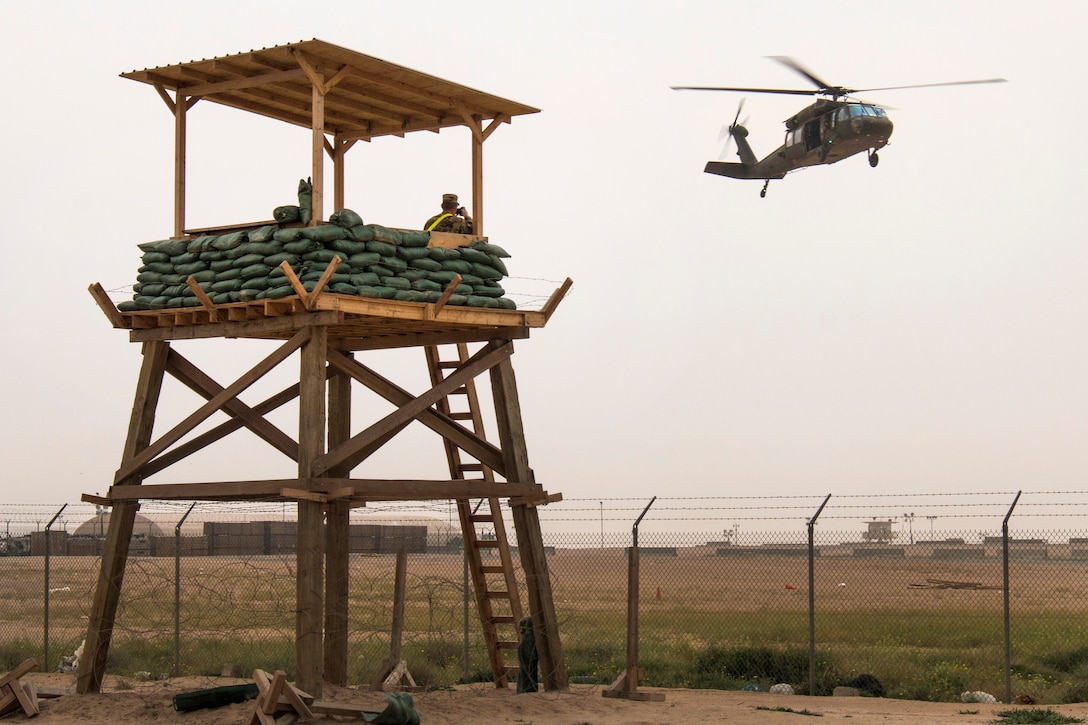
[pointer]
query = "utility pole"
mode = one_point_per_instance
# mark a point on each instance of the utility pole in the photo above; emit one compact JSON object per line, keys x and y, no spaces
{"x":909,"y":518}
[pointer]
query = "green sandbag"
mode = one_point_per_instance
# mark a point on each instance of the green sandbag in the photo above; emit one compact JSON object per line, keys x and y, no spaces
{"x":426,"y":263}
{"x":380,"y":270}
{"x":411,"y":253}
{"x":488,"y":248}
{"x":305,"y":200}
{"x":157,"y":267}
{"x":398,"y":283}
{"x":287,"y":214}
{"x":324,"y":233}
{"x":191,"y":268}
{"x":362,"y":259}
{"x":487,"y":271}
{"x":498,"y":264}
{"x":488,"y":290}
{"x":172,"y":247}
{"x":287,"y":235}
{"x":458,"y":265}
{"x":248,"y":259}
{"x":300,"y":245}
{"x":262,"y":234}
{"x":275,"y":260}
{"x":324,"y":256}
{"x":203,"y":243}
{"x":475,"y":255}
{"x":441,"y":254}
{"x":362,"y":233}
{"x":346,"y":218}
{"x":262,"y":248}
{"x":394,"y":263}
{"x":342,"y":288}
{"x":348,"y":246}
{"x":225,"y":242}
{"x":149,"y":257}
{"x":255,"y":270}
{"x":215,"y":697}
{"x":365,"y":279}
{"x":387,"y":235}
{"x":410,"y":296}
{"x":277,"y":292}
{"x":383,"y":248}
{"x":226,"y":285}
{"x":415,"y":239}
{"x":426,"y":285}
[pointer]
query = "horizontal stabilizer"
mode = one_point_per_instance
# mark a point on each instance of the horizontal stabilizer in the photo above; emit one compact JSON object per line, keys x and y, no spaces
{"x":738,"y":171}
{"x":725,"y":168}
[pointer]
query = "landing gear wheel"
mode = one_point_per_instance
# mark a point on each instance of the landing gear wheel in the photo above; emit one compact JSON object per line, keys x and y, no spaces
{"x":763,"y":191}
{"x":873,"y":159}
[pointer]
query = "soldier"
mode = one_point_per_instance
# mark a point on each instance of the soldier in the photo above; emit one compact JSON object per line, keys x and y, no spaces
{"x":452,"y":219}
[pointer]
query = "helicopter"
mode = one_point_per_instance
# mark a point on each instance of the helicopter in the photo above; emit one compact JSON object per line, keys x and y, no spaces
{"x":835,"y":127}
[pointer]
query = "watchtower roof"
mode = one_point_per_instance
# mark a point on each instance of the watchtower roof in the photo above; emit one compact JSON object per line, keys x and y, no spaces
{"x":364,"y":97}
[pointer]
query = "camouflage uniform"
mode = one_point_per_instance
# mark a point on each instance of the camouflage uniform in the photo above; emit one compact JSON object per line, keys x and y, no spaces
{"x":448,"y":221}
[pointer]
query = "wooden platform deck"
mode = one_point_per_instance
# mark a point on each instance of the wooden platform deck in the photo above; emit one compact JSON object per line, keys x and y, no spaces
{"x":355,"y":323}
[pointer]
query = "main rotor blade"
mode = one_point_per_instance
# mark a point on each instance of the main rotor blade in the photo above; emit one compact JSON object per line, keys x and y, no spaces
{"x":745,"y":90}
{"x":932,"y":85}
{"x":797,"y":67}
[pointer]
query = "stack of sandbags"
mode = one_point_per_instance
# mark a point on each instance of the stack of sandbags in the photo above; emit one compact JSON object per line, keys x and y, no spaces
{"x":374,"y":262}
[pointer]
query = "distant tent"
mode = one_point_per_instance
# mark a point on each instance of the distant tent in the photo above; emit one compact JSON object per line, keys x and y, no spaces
{"x":97,"y":525}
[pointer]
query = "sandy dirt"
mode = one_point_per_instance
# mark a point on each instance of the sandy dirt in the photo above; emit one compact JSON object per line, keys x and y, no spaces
{"x":147,"y":702}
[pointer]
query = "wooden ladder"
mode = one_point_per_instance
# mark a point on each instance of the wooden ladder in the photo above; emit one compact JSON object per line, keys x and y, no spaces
{"x":494,"y":582}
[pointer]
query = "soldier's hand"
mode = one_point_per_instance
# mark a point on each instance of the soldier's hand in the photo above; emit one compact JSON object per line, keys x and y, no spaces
{"x":461,"y":211}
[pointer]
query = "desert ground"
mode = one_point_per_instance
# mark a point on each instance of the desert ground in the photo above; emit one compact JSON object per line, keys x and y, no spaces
{"x":484,"y":704}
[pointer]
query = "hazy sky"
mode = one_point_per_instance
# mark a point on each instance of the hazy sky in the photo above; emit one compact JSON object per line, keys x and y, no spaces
{"x":918,"y":327}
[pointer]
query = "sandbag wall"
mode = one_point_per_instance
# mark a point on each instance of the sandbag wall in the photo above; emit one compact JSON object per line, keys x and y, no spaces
{"x":375,"y":261}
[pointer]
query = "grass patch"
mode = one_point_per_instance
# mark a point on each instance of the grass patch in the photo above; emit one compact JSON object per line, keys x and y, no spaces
{"x":804,"y":711}
{"x":1022,"y":715}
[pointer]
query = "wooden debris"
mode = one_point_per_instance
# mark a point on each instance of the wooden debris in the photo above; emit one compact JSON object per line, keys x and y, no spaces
{"x":279,"y":702}
{"x":14,"y":693}
{"x":949,"y":584}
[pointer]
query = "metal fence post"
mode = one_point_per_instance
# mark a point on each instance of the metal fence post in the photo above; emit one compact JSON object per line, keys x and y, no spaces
{"x":177,"y":590}
{"x":45,"y":619}
{"x":812,"y":599}
{"x":1005,"y":594}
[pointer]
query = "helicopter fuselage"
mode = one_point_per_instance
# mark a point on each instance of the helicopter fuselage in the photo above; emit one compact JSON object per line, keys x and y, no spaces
{"x":823,"y":133}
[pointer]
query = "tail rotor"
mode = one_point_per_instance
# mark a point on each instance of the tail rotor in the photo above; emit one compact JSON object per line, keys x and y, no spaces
{"x":734,"y":129}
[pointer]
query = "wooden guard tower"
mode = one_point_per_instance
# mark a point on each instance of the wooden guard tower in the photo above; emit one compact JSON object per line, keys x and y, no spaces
{"x":343,"y":97}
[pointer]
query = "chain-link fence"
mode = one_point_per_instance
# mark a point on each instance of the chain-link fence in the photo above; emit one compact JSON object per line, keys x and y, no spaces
{"x":946,"y":597}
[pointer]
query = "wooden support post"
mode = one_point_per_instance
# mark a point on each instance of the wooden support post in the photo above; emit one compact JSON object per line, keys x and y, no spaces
{"x":309,"y":555}
{"x":477,"y":178}
{"x":626,"y":685}
{"x":337,"y":521}
{"x":92,"y":666}
{"x":318,"y":152}
{"x":504,"y":391}
{"x":180,"y":108}
{"x":393,"y":673}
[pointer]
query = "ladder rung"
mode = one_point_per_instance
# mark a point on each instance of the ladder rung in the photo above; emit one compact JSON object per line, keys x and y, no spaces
{"x":461,"y":416}
{"x":493,"y":570}
{"x":488,"y":544}
{"x":449,"y":364}
{"x":481,"y":518}
{"x":498,"y":595}
{"x":506,"y":645}
{"x":502,"y":620}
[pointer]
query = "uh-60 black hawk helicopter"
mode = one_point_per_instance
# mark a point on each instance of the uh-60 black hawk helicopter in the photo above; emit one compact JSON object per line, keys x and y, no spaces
{"x":833,"y":128}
